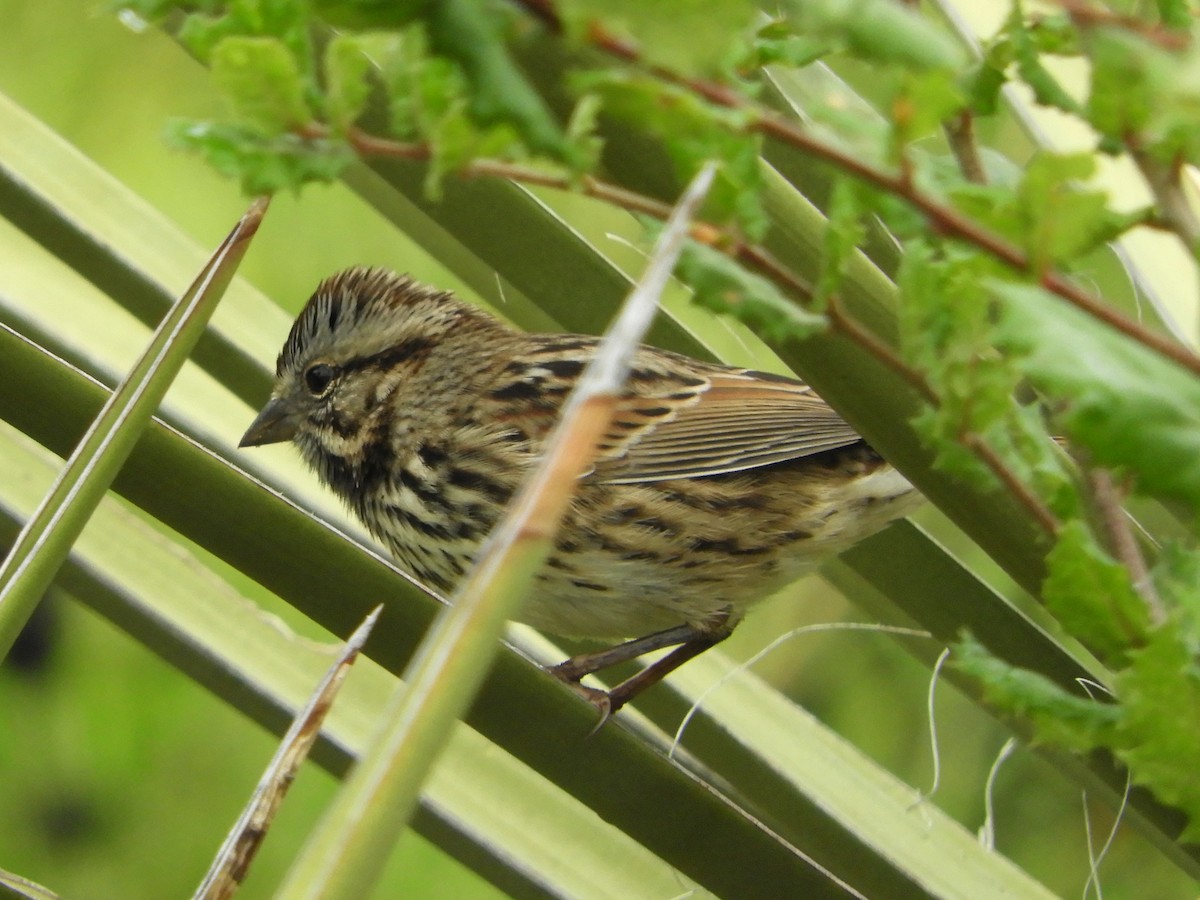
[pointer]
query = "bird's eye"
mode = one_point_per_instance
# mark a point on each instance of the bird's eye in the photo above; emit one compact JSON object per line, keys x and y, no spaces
{"x":318,"y":377}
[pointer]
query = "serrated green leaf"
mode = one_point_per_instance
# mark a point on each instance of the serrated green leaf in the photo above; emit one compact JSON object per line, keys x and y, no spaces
{"x":466,"y":33}
{"x":775,"y":44}
{"x":1177,"y":578}
{"x":846,"y":231}
{"x":1054,"y":33}
{"x":1027,"y":54}
{"x":263,"y":164}
{"x":1050,"y":215}
{"x":1059,"y":218}
{"x":720,"y":284}
{"x":982,"y":85}
{"x":581,"y":133}
{"x":1131,"y":408}
{"x":261,"y":80}
{"x":946,"y":330}
{"x":1092,"y":595}
{"x":1057,"y":717}
{"x":347,"y":90}
{"x":693,"y":132}
{"x":1144,"y":91}
{"x":922,"y":101}
{"x":1160,"y":728}
{"x":688,"y":36}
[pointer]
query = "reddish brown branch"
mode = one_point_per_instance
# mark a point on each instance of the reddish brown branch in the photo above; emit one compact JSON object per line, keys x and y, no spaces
{"x":1085,"y":15}
{"x":368,"y":145}
{"x":1027,"y":498}
{"x":877,"y":347}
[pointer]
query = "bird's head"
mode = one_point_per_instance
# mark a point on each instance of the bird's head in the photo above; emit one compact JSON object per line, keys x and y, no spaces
{"x":359,"y":337}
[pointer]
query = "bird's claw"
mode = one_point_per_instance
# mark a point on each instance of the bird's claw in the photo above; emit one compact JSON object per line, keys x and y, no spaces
{"x":599,"y":699}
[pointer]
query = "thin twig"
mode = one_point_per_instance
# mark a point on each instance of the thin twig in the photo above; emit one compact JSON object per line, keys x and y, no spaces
{"x":960,"y":134}
{"x":1166,"y":183}
{"x":370,"y":145}
{"x":845,"y":324}
{"x":230,"y":867}
{"x":1085,"y":15}
{"x":1114,"y":522}
{"x":1027,"y":498}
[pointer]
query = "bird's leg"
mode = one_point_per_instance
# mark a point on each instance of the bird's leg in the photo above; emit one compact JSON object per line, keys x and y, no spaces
{"x":689,"y":641}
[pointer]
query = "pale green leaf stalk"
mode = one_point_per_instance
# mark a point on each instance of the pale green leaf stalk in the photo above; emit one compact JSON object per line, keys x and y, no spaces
{"x":46,"y":540}
{"x":346,"y":853}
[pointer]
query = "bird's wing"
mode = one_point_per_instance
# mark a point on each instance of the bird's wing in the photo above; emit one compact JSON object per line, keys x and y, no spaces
{"x":712,"y":421}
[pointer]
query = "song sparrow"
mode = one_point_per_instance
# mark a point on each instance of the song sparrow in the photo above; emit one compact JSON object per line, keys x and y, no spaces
{"x":713,"y":486}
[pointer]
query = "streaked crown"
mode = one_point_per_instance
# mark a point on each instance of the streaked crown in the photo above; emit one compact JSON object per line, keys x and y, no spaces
{"x":361,"y":312}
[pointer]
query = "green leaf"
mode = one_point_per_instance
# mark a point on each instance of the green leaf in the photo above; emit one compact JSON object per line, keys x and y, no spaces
{"x":347,"y":89}
{"x":1049,"y":215}
{"x":260,"y":79}
{"x":846,"y":231}
{"x":1060,"y":219}
{"x":465,"y":32}
{"x":1027,"y":54}
{"x":263,"y":164}
{"x":1175,"y":13}
{"x":919,"y":105}
{"x":776,"y":44}
{"x":952,"y":342}
{"x":1141,"y":90}
{"x":1092,"y":595}
{"x":1177,"y":577}
{"x":1160,"y":729}
{"x":1131,"y":408}
{"x":720,"y":284}
{"x":982,"y":84}
{"x":581,"y":133}
{"x":693,"y":132}
{"x":692,"y":37}
{"x":366,"y":14}
{"x":879,"y":30}
{"x":1057,"y":717}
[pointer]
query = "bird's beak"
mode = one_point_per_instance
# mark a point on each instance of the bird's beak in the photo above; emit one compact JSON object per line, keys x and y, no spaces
{"x":277,"y":422}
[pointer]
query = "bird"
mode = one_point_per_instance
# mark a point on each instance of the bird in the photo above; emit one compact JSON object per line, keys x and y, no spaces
{"x":712,"y":487}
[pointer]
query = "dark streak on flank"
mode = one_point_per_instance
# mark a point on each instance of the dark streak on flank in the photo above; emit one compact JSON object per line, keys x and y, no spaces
{"x":518,"y":390}
{"x":728,"y":546}
{"x":588,"y":585}
{"x":432,"y":457}
{"x":563,"y":368}
{"x":432,"y":529}
{"x":480,"y":484}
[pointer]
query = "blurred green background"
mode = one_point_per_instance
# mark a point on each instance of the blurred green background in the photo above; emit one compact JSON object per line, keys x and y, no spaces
{"x":119,"y":776}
